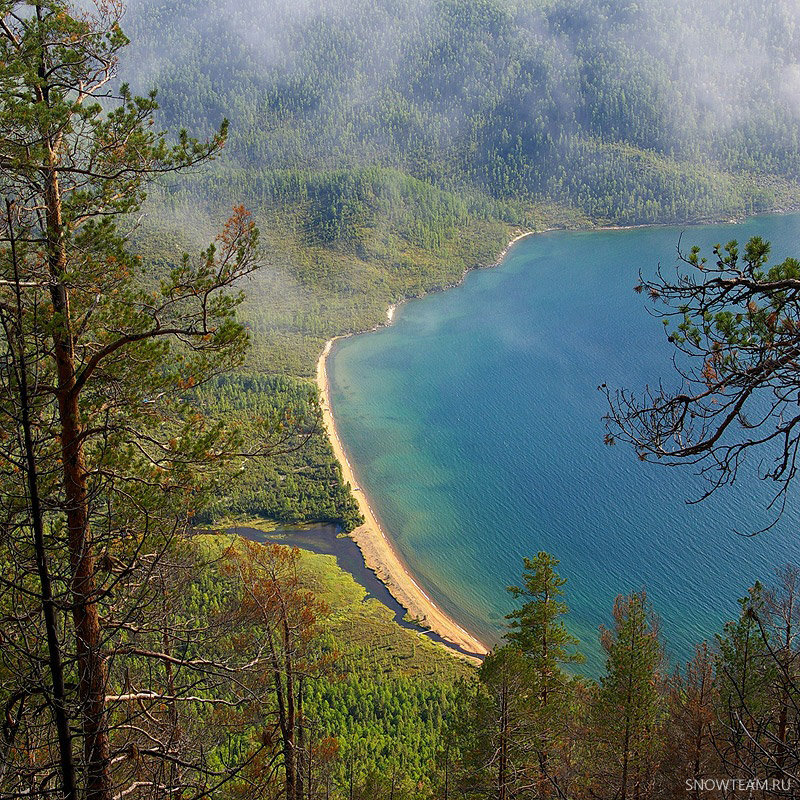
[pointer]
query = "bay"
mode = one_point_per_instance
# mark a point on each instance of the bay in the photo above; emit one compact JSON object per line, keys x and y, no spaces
{"x":474,"y":424}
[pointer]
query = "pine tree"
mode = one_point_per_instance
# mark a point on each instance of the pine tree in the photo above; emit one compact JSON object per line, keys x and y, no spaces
{"x":537,"y":628}
{"x":499,"y":759}
{"x":756,"y":675}
{"x":781,"y":628}
{"x":107,"y":456}
{"x":538,"y":632}
{"x":689,"y":730}
{"x":629,"y":706}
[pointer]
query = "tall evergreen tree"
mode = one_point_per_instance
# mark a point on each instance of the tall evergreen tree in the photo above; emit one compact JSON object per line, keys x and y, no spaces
{"x":537,"y":630}
{"x":105,"y":456}
{"x":781,"y":628}
{"x":500,"y":759}
{"x":629,"y":707}
{"x":537,"y":627}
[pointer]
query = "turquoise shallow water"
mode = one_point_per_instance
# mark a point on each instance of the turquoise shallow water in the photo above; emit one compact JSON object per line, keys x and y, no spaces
{"x":474,"y":424}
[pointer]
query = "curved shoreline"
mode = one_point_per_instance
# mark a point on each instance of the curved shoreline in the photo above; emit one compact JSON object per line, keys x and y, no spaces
{"x":379,"y":553}
{"x":521,"y":235}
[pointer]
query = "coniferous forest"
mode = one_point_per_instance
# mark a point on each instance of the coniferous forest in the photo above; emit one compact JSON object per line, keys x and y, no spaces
{"x":164,"y":297}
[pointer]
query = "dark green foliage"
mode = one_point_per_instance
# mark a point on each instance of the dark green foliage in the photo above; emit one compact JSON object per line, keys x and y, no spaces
{"x":385,"y":723}
{"x":384,"y":148}
{"x":302,"y":482}
{"x":519,"y":734}
{"x":745,"y":671}
{"x":730,"y":714}
{"x":634,"y":733}
{"x":339,"y":246}
{"x":500,"y":739}
{"x":537,"y":628}
{"x":390,"y":694}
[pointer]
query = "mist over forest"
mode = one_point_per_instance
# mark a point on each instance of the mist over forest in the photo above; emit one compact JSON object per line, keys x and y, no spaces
{"x":384,"y":147}
{"x":532,"y":99}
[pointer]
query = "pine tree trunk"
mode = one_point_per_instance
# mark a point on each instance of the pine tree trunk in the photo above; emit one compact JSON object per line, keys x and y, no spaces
{"x":283,"y":680}
{"x":698,"y":741}
{"x":626,"y":745}
{"x":783,"y":720}
{"x":503,"y":767}
{"x":300,"y":741}
{"x":291,"y":713}
{"x":91,"y":664}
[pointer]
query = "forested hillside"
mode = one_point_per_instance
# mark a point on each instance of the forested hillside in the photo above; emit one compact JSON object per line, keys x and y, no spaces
{"x":631,"y":112}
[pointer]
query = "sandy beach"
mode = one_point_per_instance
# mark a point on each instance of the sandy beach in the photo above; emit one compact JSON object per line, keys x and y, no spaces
{"x":379,"y":554}
{"x":521,"y":235}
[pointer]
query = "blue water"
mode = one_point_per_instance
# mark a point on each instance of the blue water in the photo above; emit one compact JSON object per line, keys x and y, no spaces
{"x":474,"y":424}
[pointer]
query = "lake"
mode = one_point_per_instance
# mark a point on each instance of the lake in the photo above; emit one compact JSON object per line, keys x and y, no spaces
{"x":474,"y":424}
